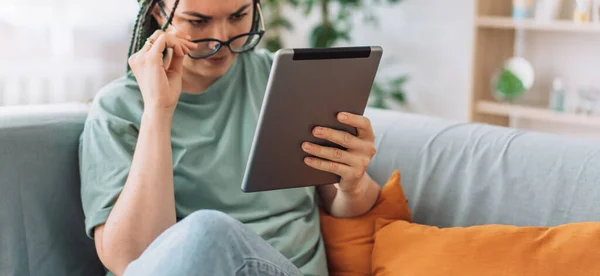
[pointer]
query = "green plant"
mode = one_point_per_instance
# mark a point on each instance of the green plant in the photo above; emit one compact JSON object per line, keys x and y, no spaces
{"x":509,"y":84}
{"x":331,"y":29}
{"x":276,"y":23}
{"x":391,"y":90}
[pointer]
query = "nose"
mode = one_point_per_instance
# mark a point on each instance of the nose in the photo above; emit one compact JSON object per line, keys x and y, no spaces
{"x":219,"y":31}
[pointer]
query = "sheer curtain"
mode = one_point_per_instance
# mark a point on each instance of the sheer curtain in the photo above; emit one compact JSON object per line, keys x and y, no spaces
{"x":57,"y":51}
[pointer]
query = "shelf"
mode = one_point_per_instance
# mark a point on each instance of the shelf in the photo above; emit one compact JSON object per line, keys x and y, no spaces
{"x":535,"y":113}
{"x":499,"y":22}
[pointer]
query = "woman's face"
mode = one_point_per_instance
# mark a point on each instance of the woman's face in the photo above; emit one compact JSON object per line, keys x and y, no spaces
{"x":216,"y":19}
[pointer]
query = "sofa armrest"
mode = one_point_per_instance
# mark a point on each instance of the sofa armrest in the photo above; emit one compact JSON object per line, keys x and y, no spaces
{"x":41,"y":219}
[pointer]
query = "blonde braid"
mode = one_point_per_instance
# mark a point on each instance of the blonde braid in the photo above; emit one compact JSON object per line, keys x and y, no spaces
{"x":144,"y":26}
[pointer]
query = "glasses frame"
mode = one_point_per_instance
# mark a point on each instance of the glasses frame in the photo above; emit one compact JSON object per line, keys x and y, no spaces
{"x":220,"y":43}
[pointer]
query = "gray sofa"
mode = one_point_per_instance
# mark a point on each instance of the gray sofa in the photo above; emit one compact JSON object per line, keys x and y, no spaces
{"x":454,"y":174}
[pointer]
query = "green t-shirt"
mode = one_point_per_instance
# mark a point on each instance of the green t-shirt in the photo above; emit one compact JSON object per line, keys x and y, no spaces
{"x":211,"y":137}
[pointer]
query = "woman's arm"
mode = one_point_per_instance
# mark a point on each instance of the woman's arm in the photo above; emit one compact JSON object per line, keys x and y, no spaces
{"x":357,"y":192}
{"x":349,"y":204}
{"x":146,"y":205}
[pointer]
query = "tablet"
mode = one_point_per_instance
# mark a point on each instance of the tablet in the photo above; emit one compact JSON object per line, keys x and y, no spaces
{"x":306,"y":88}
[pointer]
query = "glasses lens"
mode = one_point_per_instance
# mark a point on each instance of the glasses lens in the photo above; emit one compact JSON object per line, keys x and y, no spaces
{"x":244,"y":43}
{"x":205,"y":48}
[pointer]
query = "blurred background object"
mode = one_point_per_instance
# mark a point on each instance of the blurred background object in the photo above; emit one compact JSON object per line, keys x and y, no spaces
{"x":559,"y":41}
{"x":440,"y":57}
{"x":61,"y":50}
{"x":65,"y":50}
{"x":336,"y":20}
{"x":513,"y":80}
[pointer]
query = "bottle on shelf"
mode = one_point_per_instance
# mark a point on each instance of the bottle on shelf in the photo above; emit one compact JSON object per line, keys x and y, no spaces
{"x":557,"y":96}
{"x":596,"y":11}
{"x":548,"y":10}
{"x":523,"y":9}
{"x":582,"y":10}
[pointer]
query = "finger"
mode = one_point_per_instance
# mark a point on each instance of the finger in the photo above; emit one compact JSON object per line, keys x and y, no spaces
{"x":337,"y":155}
{"x":147,"y":46}
{"x":152,"y":39}
{"x":176,"y":66}
{"x":345,"y":171}
{"x":186,"y":50}
{"x":339,"y":137}
{"x":178,"y":50}
{"x":189,"y":44}
{"x":167,"y":58}
{"x":165,"y":41}
{"x":159,"y":46}
{"x":181,"y":35}
{"x":361,"y":123}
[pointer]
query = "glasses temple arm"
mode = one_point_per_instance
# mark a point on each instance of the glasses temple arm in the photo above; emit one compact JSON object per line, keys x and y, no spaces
{"x":166,"y":16}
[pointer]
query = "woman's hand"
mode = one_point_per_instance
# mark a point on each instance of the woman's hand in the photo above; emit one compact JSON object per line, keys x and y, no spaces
{"x":158,"y":76}
{"x":351,"y":164}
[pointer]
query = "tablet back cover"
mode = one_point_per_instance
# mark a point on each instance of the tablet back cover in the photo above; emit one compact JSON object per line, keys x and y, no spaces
{"x":307,"y":88}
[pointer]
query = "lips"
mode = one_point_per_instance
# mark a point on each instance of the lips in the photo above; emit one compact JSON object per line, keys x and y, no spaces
{"x":216,"y":60}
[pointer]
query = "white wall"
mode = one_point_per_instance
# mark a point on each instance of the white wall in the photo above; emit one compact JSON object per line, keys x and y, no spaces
{"x":432,"y":40}
{"x":61,"y":50}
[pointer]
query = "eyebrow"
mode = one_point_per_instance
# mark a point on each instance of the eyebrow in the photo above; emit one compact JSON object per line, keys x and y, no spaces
{"x":206,"y":17}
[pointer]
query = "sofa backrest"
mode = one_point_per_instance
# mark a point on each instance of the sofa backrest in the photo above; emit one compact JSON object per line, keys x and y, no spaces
{"x":41,"y":218}
{"x":460,"y":174}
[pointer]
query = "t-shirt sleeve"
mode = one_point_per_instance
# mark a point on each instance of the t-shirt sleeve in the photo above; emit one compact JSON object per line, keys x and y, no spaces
{"x":106,"y":149}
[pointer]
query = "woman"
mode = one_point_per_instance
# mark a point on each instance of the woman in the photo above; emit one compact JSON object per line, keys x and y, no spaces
{"x":164,"y":148}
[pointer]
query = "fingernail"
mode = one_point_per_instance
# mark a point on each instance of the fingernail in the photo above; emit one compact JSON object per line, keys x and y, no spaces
{"x":343,"y":117}
{"x":306,"y":146}
{"x":318,"y":131}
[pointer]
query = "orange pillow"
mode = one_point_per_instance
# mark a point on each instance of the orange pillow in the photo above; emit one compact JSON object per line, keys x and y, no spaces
{"x":404,"y":248}
{"x":349,"y":241}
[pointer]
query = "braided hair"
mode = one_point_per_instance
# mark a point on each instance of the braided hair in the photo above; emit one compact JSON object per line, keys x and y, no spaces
{"x":145,"y":25}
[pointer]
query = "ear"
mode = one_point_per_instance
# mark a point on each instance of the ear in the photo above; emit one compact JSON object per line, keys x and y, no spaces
{"x":158,"y":15}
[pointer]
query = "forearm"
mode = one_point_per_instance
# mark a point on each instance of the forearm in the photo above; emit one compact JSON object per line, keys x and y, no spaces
{"x":146,"y":205}
{"x":350,"y":204}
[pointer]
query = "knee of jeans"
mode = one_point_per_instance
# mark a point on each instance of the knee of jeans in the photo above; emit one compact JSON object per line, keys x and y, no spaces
{"x":209,"y":224}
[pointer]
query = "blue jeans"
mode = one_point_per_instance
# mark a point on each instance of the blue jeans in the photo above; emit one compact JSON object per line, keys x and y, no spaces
{"x":210,"y":243}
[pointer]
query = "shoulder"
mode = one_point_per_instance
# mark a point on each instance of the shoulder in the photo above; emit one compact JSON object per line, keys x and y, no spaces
{"x":257,"y":69}
{"x":119,"y":100}
{"x":260,"y":60}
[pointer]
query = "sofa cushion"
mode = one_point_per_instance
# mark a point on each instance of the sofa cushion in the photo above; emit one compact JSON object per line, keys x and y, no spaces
{"x":41,"y":219}
{"x":402,"y":247}
{"x":349,"y":241}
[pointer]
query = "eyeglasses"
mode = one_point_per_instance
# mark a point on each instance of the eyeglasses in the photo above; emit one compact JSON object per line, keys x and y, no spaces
{"x":237,"y":44}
